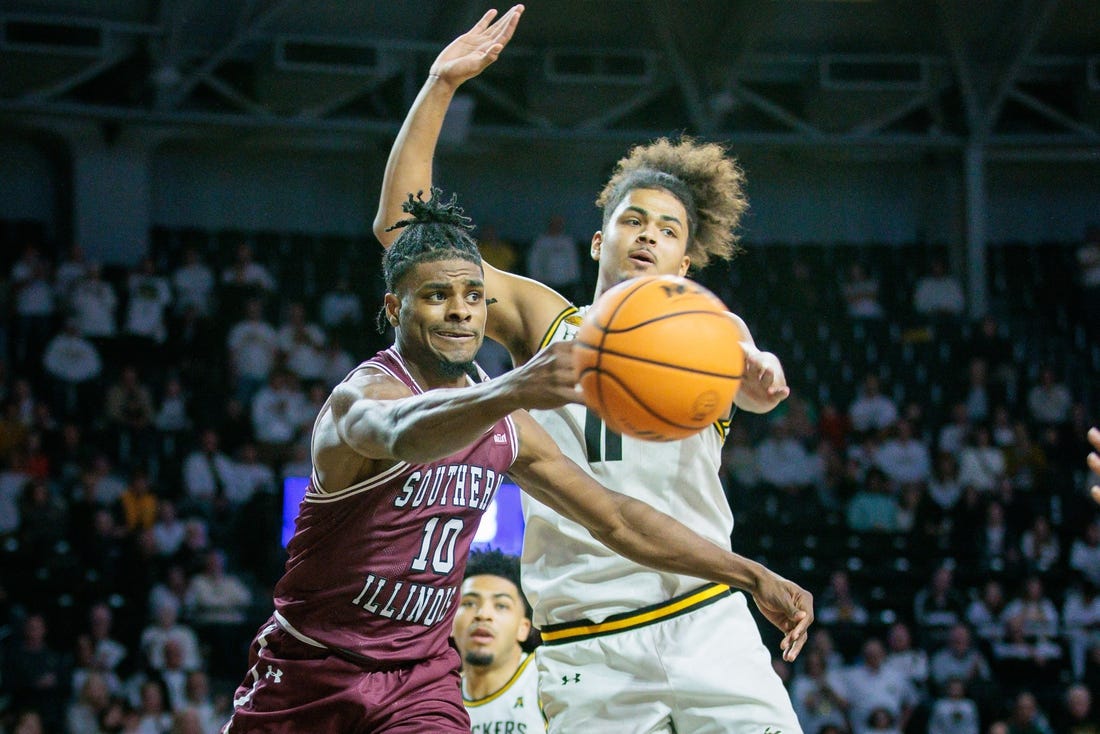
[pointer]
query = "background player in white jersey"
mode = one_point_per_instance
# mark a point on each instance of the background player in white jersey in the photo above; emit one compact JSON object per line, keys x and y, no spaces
{"x":491,"y":630}
{"x":626,"y":648}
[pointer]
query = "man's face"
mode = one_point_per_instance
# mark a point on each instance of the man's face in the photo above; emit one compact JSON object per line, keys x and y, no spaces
{"x":440,"y":315}
{"x":647,"y":234}
{"x":491,"y":621}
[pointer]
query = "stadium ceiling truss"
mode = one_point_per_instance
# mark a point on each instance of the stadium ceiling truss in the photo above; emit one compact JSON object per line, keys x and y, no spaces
{"x":1016,"y":78}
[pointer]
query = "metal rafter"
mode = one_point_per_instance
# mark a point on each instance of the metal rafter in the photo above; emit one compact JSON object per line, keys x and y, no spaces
{"x":662,"y":26}
{"x":1011,"y":73}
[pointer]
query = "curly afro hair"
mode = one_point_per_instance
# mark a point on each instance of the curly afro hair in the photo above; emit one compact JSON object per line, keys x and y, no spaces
{"x":703,"y":176}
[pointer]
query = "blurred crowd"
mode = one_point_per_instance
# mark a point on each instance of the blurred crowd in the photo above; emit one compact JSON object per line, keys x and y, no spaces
{"x":925,"y":481}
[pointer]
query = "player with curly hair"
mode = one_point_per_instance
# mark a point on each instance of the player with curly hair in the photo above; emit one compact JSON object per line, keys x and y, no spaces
{"x":627,"y":648}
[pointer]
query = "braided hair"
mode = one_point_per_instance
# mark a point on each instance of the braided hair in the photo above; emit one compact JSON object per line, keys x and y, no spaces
{"x":435,"y":230}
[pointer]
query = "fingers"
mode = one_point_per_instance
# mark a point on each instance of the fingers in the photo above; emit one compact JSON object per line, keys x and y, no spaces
{"x":1094,"y":438}
{"x":485,"y":20}
{"x":1096,"y":493}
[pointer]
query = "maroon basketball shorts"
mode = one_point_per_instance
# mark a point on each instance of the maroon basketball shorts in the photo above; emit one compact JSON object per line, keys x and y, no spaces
{"x":295,"y":687}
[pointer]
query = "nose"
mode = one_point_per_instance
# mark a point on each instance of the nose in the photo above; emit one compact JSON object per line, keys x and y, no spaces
{"x":647,"y":235}
{"x":458,"y":309}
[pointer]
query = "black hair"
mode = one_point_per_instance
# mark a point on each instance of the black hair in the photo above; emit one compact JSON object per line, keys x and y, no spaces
{"x":495,"y":562}
{"x":435,"y":230}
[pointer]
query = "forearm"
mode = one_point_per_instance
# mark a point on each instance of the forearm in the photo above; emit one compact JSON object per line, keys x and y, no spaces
{"x":409,"y":168}
{"x":420,"y":428}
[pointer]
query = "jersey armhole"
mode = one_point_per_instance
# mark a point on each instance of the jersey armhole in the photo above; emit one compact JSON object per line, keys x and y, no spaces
{"x":548,"y":337}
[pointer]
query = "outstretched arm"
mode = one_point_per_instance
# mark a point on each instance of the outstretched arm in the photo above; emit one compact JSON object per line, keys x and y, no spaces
{"x":647,"y":536}
{"x":522,"y":309}
{"x":764,"y":384}
{"x":409,"y":168}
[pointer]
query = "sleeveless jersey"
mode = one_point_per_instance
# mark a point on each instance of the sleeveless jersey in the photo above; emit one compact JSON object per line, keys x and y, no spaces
{"x":374,"y":569}
{"x":568,"y":575}
{"x":514,"y":709}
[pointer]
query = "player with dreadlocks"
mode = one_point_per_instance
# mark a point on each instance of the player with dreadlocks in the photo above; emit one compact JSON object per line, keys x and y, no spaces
{"x":626,"y":647}
{"x":408,"y":452}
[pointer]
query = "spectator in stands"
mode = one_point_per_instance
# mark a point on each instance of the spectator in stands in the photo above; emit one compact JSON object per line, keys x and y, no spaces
{"x":1033,"y":609}
{"x":1077,"y":715}
{"x":1081,"y":619}
{"x":986,"y":613}
{"x":860,"y":292}
{"x":152,"y":707}
{"x":301,"y":342}
{"x":944,"y":487}
{"x":981,"y":464}
{"x":278,"y":411}
{"x":74,"y":366}
{"x":952,"y":435}
{"x":959,"y":659}
{"x":164,"y":627}
{"x":337,"y":363}
{"x":253,"y":346}
{"x":199,"y":703}
{"x":871,"y":685}
{"x":341,"y":310}
{"x":170,"y":589}
{"x":145,"y":326}
{"x":69,"y":272}
{"x":904,"y":458}
{"x":874,"y":507}
{"x":217,"y":603}
{"x":193,"y":283}
{"x":939,"y":605}
{"x":1021,"y":662}
{"x":138,"y":503}
{"x":938,"y":294}
{"x":247,"y":274}
{"x":871,"y":410}
{"x":34,"y":672}
{"x":1027,"y":717}
{"x":1025,"y":460}
{"x":251,"y":476}
{"x":819,"y":694}
{"x":902,"y":656}
{"x":109,"y":651}
{"x":953,"y":712}
{"x":1084,"y":554}
{"x":83,"y":713}
{"x":130,"y":412}
{"x":553,"y":259}
{"x":785,"y":465}
{"x":1039,"y":547}
{"x":168,"y":530}
{"x":978,"y":395}
{"x":94,"y":302}
{"x":207,"y":471}
{"x":1049,"y":402}
{"x":842,"y":614}
{"x":42,"y":522}
{"x":34,"y":309}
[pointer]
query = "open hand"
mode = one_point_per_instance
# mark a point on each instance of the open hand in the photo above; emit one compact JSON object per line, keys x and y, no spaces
{"x":473,"y":51}
{"x":790,"y":608}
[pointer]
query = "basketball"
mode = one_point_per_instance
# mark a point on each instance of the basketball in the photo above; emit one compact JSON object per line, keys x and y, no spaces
{"x":658,"y":358}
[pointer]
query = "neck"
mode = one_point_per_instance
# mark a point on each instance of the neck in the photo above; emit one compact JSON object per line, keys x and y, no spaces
{"x":427,"y":378}
{"x":485,"y":680}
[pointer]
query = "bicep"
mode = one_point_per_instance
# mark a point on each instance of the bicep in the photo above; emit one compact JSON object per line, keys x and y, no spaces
{"x":521,"y":311}
{"x":357,"y":416}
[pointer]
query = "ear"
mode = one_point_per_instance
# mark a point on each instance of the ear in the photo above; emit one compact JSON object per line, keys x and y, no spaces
{"x":523,"y":631}
{"x":685,"y":265}
{"x":597,"y":243}
{"x":393,"y":307}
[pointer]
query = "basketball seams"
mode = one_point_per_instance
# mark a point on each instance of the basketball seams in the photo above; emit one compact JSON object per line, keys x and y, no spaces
{"x":603,"y":337}
{"x":657,"y":363}
{"x":658,"y":319}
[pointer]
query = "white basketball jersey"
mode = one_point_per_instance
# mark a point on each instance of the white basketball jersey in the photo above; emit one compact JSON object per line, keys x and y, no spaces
{"x":568,"y":575}
{"x":514,"y":708}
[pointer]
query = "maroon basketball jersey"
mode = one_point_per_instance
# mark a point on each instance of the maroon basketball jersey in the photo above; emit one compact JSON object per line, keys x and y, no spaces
{"x":374,"y":569}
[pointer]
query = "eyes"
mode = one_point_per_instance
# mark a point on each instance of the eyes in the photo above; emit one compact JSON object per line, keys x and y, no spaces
{"x":634,"y":221}
{"x":469,"y":604}
{"x":440,"y":296}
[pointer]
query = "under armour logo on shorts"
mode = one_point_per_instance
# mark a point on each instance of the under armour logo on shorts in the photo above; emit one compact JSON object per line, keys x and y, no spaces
{"x":276,"y":674}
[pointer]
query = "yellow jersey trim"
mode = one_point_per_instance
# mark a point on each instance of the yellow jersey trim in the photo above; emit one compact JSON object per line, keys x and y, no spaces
{"x":554,"y":326}
{"x":472,"y":702}
{"x":573,"y":631}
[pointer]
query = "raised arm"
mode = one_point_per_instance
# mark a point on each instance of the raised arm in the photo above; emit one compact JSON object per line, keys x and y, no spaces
{"x":409,"y":168}
{"x":522,"y":309}
{"x":637,"y":531}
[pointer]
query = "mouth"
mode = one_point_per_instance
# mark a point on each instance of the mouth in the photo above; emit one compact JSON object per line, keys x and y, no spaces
{"x":483,"y":636}
{"x":642,"y":257}
{"x":456,"y":335}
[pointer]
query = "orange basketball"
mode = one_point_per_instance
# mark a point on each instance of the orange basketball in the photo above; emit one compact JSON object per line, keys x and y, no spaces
{"x":658,"y":358}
